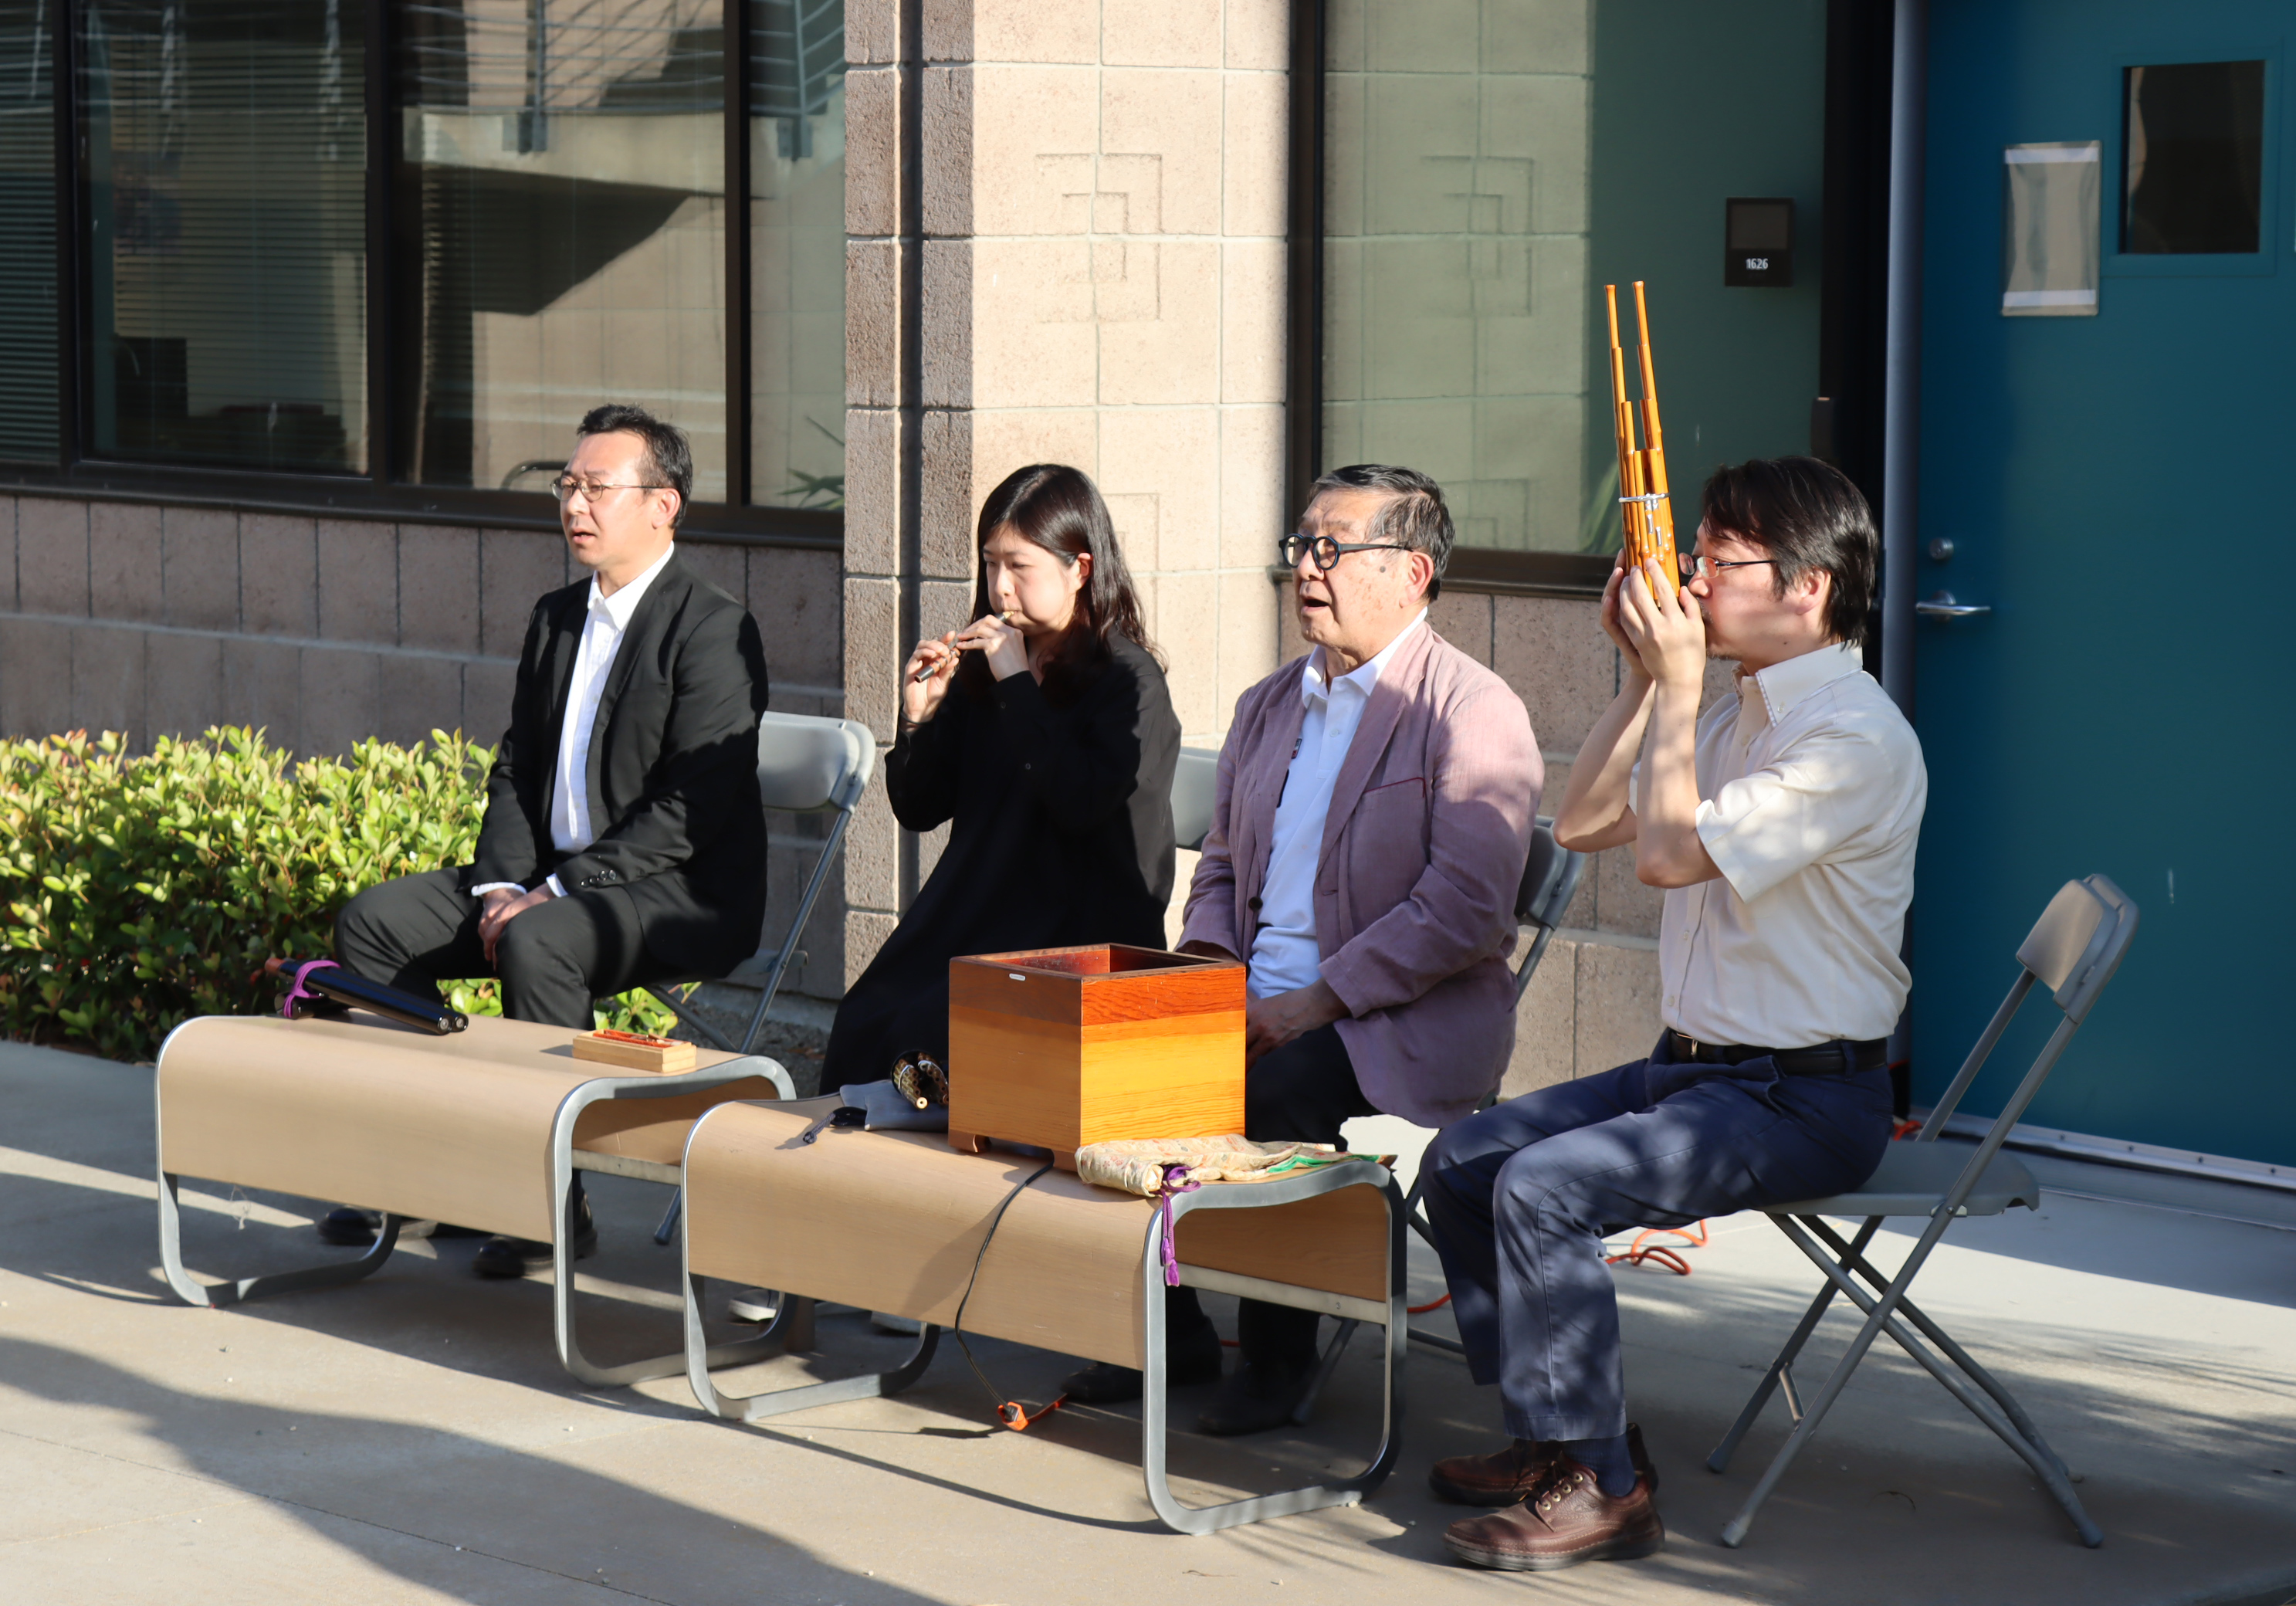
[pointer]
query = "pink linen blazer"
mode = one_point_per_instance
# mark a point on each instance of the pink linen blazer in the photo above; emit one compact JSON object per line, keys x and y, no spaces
{"x":1422,"y":852}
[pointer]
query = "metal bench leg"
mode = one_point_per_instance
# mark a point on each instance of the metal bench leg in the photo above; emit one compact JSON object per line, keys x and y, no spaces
{"x":1720,"y":1460}
{"x":1155,"y":1414}
{"x":222,"y":1294}
{"x":700,"y":1356}
{"x":1881,"y":1316}
{"x":562,"y":1293}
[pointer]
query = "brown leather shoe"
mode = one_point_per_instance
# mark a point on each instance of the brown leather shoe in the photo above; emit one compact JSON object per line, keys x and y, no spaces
{"x":1504,"y":1476}
{"x":1566,"y":1519}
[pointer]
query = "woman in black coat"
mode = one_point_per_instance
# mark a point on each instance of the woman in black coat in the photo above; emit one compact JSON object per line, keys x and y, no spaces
{"x":1043,"y":732}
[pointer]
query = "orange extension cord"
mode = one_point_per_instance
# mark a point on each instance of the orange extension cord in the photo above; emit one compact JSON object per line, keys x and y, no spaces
{"x":1667,"y":1255}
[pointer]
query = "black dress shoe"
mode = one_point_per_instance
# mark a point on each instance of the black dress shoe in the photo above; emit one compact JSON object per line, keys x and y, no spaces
{"x":504,"y":1256}
{"x":350,"y":1227}
{"x":1259,"y":1394}
{"x":1191,"y":1358}
{"x":354,"y":1228}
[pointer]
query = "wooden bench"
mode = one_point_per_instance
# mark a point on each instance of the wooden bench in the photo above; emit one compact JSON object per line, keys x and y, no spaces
{"x":895,"y":1222}
{"x":484,"y":1128}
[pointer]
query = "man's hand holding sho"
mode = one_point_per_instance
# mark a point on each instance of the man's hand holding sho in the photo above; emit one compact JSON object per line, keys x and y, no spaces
{"x":502,"y":906}
{"x":1663,"y":628}
{"x":1271,"y":1022}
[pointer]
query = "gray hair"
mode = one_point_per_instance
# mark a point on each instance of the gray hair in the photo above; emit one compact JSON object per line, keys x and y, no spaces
{"x":1414,"y":514}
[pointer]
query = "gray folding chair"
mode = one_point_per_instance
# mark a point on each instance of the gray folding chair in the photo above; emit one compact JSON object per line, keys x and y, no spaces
{"x":1550,"y":880}
{"x":805,"y":765}
{"x":2073,"y":952}
{"x":1195,"y":792}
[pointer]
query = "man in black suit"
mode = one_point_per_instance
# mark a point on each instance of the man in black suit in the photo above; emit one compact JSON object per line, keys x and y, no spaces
{"x":624,"y":840}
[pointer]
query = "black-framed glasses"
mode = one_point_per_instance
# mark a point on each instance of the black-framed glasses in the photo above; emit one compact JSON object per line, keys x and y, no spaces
{"x":1696,"y":565}
{"x":565,"y":486}
{"x":1326,"y":550}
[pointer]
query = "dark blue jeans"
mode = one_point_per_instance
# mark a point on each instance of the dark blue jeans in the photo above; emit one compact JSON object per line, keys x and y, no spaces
{"x":1521,"y":1195}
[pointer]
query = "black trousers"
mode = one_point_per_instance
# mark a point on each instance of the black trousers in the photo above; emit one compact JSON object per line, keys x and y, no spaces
{"x":552,"y":960}
{"x":1299,"y":1094}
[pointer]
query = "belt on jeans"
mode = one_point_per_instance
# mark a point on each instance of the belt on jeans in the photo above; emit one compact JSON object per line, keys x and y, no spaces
{"x":1826,"y":1059}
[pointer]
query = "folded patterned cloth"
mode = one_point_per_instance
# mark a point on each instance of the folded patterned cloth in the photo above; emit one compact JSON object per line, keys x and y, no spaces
{"x":1155,"y":1165}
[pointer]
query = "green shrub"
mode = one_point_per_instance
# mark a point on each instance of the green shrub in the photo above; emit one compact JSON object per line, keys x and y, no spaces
{"x":139,"y":891}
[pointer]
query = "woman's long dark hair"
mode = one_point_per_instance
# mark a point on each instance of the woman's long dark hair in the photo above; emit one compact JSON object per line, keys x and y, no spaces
{"x":1059,"y":509}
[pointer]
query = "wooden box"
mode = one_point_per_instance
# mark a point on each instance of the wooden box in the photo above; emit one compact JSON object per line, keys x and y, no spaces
{"x":1061,"y":1047}
{"x":632,"y":1051}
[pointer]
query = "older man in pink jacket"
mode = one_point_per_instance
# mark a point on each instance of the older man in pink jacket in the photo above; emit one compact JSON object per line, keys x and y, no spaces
{"x":1375,"y":809}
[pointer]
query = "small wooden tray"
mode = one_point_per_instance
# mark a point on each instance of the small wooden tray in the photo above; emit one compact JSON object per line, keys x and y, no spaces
{"x":660,"y":1055}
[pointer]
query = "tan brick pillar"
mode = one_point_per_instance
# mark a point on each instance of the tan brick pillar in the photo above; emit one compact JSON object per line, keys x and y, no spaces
{"x":1102,"y":237}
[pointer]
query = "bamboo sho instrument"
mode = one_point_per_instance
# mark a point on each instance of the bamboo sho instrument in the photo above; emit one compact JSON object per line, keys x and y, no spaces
{"x":1641,"y":470}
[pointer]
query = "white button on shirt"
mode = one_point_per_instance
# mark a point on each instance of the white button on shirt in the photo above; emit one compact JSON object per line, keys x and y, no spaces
{"x":1285,"y":955}
{"x":571,"y":828}
{"x":1812,"y":788}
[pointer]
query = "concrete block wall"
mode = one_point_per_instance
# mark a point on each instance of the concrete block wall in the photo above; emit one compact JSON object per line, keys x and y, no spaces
{"x":155,"y":620}
{"x":1103,"y":285}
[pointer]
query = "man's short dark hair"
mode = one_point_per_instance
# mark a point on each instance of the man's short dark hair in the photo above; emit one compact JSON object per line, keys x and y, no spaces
{"x":668,"y":459}
{"x":1805,"y":515}
{"x":1414,"y":515}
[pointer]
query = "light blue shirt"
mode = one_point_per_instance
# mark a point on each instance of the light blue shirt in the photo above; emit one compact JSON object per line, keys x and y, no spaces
{"x":1284,"y":954}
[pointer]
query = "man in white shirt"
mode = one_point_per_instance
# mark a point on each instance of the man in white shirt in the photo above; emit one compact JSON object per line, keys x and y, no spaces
{"x":1783,"y":825}
{"x":1374,"y":807}
{"x":624,"y":840}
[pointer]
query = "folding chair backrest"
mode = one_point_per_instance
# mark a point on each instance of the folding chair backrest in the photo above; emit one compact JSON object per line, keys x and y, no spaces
{"x":1195,"y":788}
{"x":2073,"y":950}
{"x":2076,"y":945}
{"x":1550,"y":880}
{"x":806,"y":763}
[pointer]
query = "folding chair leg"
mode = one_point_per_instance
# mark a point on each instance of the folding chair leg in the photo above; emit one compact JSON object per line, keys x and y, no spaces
{"x":1720,"y":1461}
{"x":1937,"y":1335}
{"x":1302,"y":1413}
{"x":1880,"y":1317}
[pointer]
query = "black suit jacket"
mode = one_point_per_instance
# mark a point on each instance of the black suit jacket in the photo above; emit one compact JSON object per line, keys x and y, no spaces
{"x":673,"y":768}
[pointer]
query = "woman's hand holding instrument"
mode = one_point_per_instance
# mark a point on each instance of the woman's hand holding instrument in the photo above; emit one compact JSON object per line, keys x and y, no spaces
{"x":925,"y":679}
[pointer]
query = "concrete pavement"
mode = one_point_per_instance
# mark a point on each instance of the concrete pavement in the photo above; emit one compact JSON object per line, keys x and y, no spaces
{"x":411,"y":1438}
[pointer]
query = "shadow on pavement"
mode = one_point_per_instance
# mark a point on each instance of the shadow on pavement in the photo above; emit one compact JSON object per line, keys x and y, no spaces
{"x":484,"y":1499}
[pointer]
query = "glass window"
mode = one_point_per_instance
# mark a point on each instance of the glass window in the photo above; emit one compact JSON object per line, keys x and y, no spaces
{"x":28,"y":232}
{"x":797,"y":245}
{"x":1489,"y":166}
{"x":2193,"y":154}
{"x":226,"y":231}
{"x":561,"y":209}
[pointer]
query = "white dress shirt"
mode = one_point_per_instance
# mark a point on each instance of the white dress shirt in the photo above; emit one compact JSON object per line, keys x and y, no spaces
{"x":594,"y":659}
{"x":1285,"y":955}
{"x":1812,"y":788}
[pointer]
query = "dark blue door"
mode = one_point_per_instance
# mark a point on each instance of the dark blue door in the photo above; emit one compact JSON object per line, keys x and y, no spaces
{"x":2105,"y":480}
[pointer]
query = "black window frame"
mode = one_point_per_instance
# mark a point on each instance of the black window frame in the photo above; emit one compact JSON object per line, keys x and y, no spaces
{"x":1846,"y":410}
{"x":379,"y":494}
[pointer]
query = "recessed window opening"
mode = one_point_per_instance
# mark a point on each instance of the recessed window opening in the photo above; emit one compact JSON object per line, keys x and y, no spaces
{"x":2192,"y":159}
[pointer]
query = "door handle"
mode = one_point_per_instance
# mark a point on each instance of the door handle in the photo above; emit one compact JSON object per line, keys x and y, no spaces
{"x":1940,"y":605}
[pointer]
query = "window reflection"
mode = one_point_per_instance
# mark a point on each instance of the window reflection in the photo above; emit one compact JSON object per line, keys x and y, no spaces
{"x":226,"y":164}
{"x":562,"y":198}
{"x":2195,"y":155}
{"x":1455,"y":255}
{"x":28,"y":231}
{"x":797,"y":245}
{"x":1490,"y":164}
